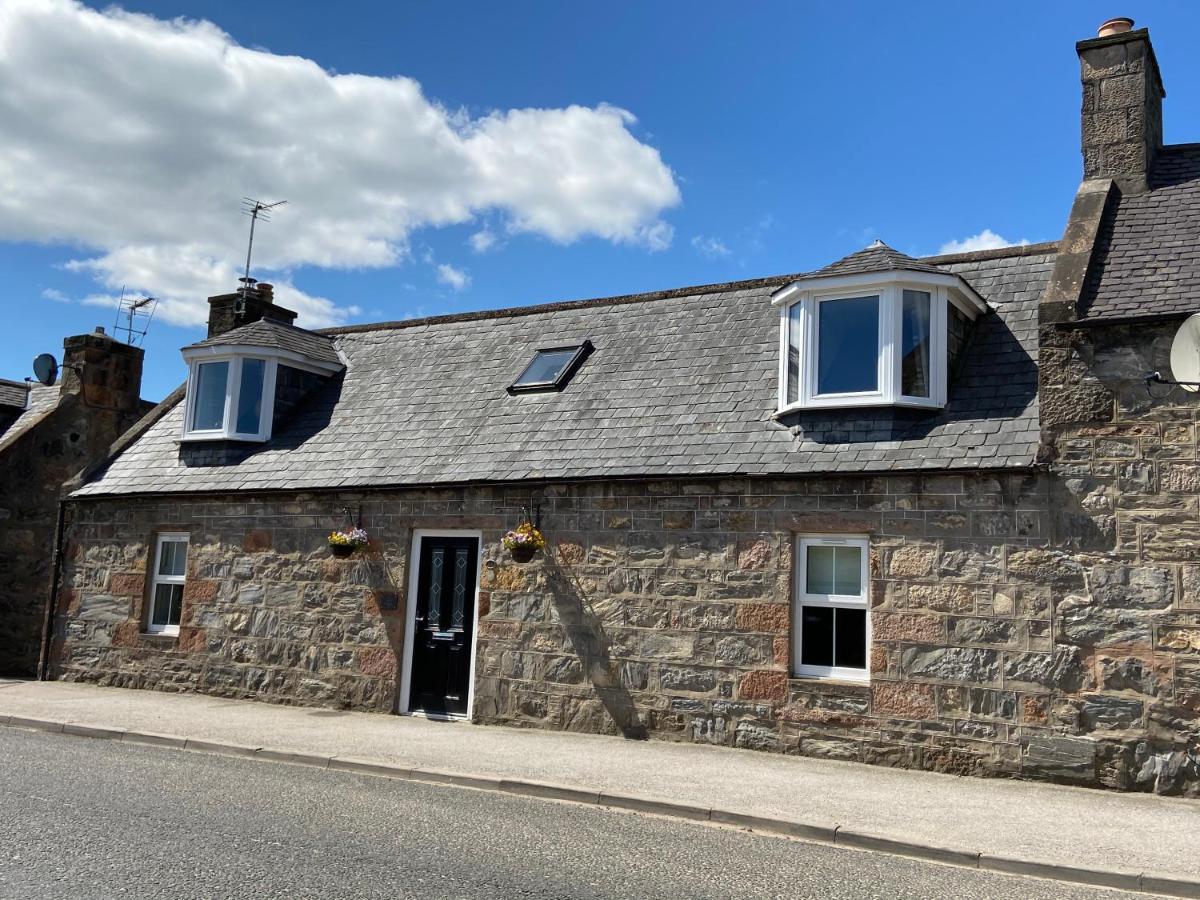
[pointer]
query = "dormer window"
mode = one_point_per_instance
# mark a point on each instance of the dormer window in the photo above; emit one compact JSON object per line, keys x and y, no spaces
{"x":232,"y":378}
{"x":875,"y":338}
{"x":226,"y":399}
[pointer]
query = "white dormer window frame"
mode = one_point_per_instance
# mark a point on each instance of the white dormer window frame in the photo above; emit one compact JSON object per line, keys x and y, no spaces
{"x":236,"y":359}
{"x":800,"y":306}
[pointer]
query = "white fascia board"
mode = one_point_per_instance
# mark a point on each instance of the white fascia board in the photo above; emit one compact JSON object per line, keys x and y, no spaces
{"x":962,"y":294}
{"x":227,"y":351}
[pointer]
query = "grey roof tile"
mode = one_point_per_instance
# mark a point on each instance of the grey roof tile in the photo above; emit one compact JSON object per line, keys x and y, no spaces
{"x":278,"y":336}
{"x":1148,"y":248}
{"x":680,"y":383}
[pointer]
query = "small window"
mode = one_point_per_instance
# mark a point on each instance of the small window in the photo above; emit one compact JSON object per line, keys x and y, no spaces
{"x":208,"y":410}
{"x":166,"y":584}
{"x":831,"y":631}
{"x":551,"y":368}
{"x":230,"y":399}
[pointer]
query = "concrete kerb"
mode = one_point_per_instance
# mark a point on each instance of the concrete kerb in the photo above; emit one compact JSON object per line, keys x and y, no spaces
{"x":813,"y":833}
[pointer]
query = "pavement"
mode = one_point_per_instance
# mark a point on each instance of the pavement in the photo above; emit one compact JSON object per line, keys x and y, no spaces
{"x":150,"y":822}
{"x":1127,"y":841}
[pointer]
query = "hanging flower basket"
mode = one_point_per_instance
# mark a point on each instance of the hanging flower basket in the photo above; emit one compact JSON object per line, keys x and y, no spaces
{"x":344,"y":543}
{"x":523,"y":542}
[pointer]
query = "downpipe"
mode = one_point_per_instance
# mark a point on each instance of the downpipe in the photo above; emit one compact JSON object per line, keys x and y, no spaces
{"x":51,"y":608}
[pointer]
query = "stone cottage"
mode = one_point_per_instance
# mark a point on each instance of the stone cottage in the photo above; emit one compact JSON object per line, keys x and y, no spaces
{"x":919,"y":512}
{"x":47,"y":434}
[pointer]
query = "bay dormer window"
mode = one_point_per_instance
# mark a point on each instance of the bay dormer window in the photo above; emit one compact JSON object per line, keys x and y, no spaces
{"x":230,"y":398}
{"x":237,"y":380}
{"x":878,"y":338}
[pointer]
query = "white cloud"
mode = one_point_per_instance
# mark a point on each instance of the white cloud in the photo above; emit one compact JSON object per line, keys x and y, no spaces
{"x":136,"y":138}
{"x":711,"y":247}
{"x":985,"y":240}
{"x":483,"y":241}
{"x":56,"y":295}
{"x":455,"y":278}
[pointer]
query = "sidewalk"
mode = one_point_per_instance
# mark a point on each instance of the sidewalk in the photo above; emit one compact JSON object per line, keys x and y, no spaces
{"x":1127,"y":840}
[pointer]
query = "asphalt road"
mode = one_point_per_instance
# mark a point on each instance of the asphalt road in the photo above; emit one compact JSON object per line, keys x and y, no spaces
{"x":89,"y":818}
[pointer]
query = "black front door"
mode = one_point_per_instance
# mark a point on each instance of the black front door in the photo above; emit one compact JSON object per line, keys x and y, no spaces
{"x":440,"y":680}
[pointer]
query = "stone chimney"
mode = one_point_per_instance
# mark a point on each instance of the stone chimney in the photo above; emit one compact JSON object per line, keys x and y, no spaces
{"x":102,"y":372}
{"x":229,"y":311}
{"x":1122,"y":105}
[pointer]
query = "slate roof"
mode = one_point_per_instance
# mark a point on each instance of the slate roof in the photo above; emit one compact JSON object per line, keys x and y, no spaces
{"x":278,"y":336}
{"x":879,"y":257}
{"x":1148,"y":248}
{"x":42,"y":402}
{"x":681,"y":383}
{"x":13,"y":393}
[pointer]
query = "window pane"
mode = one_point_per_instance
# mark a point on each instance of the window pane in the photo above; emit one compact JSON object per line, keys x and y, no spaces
{"x":249,"y":412}
{"x":209,"y":408}
{"x":850,"y":651}
{"x":819,"y":570}
{"x":816,"y":636}
{"x":847,"y":571}
{"x":915,"y":343}
{"x":172,"y":558}
{"x":168,"y":601}
{"x":848,"y":345}
{"x":793,"y":354}
{"x":547,"y":367}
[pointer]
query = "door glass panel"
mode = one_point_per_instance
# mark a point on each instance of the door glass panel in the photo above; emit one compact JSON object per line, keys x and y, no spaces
{"x":848,"y":345}
{"x":915,"y":342}
{"x":209,"y":407}
{"x":816,"y":636}
{"x":436,"y":569}
{"x":851,"y":638}
{"x":460,"y":588}
{"x":249,"y":412}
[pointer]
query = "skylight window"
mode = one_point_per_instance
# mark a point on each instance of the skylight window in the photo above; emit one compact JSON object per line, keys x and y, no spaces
{"x":551,"y":368}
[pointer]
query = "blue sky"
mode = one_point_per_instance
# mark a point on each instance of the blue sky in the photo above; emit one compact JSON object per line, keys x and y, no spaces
{"x":756,"y":143}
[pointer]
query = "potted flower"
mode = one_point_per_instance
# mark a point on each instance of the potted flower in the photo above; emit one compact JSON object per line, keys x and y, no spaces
{"x":343,"y":543}
{"x":523,"y":542}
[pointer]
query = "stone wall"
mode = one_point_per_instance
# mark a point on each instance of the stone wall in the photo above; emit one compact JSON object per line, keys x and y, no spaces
{"x":663,"y":609}
{"x":97,"y":401}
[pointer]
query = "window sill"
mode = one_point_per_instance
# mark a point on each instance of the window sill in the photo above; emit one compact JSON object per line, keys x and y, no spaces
{"x":164,"y":637}
{"x":197,"y":436}
{"x":812,"y":681}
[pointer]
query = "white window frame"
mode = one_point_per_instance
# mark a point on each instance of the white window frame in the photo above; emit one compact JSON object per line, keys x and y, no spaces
{"x":235,"y":355}
{"x":837,"y":601}
{"x":157,"y":579}
{"x":808,"y":294}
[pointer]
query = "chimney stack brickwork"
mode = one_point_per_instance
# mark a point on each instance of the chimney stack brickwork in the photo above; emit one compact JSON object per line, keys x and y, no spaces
{"x":1122,"y":108}
{"x":229,"y":311}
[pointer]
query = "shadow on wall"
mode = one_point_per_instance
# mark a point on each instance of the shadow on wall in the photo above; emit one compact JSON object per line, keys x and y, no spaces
{"x":585,"y":635}
{"x":387,"y":604}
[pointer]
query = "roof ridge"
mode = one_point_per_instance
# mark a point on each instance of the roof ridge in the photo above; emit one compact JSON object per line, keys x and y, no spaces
{"x":662,"y":294}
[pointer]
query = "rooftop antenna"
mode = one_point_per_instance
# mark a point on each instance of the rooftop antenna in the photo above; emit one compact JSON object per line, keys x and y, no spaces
{"x":138,"y":314}
{"x":256,"y":210}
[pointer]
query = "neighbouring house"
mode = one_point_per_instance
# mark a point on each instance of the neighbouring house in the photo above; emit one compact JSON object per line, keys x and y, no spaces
{"x":47,"y":435}
{"x":918,"y":512}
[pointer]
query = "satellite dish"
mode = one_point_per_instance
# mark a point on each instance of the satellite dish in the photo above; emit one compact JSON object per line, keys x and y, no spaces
{"x":1185,"y":354}
{"x":45,"y":369}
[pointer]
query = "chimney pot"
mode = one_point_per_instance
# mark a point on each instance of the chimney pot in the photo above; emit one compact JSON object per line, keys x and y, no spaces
{"x":99,"y":329}
{"x":267,"y":290}
{"x":1119,"y":25}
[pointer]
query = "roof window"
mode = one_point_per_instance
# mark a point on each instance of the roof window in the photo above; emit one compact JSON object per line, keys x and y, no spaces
{"x":551,"y":368}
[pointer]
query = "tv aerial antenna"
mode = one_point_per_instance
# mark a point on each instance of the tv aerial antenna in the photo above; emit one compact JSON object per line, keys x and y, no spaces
{"x":137,"y":313}
{"x":256,"y":210}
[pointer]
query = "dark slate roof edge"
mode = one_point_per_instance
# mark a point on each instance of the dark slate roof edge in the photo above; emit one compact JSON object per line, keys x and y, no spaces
{"x":1031,"y":465}
{"x":691,"y":291}
{"x":140,"y":427}
{"x":1147,"y":319}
